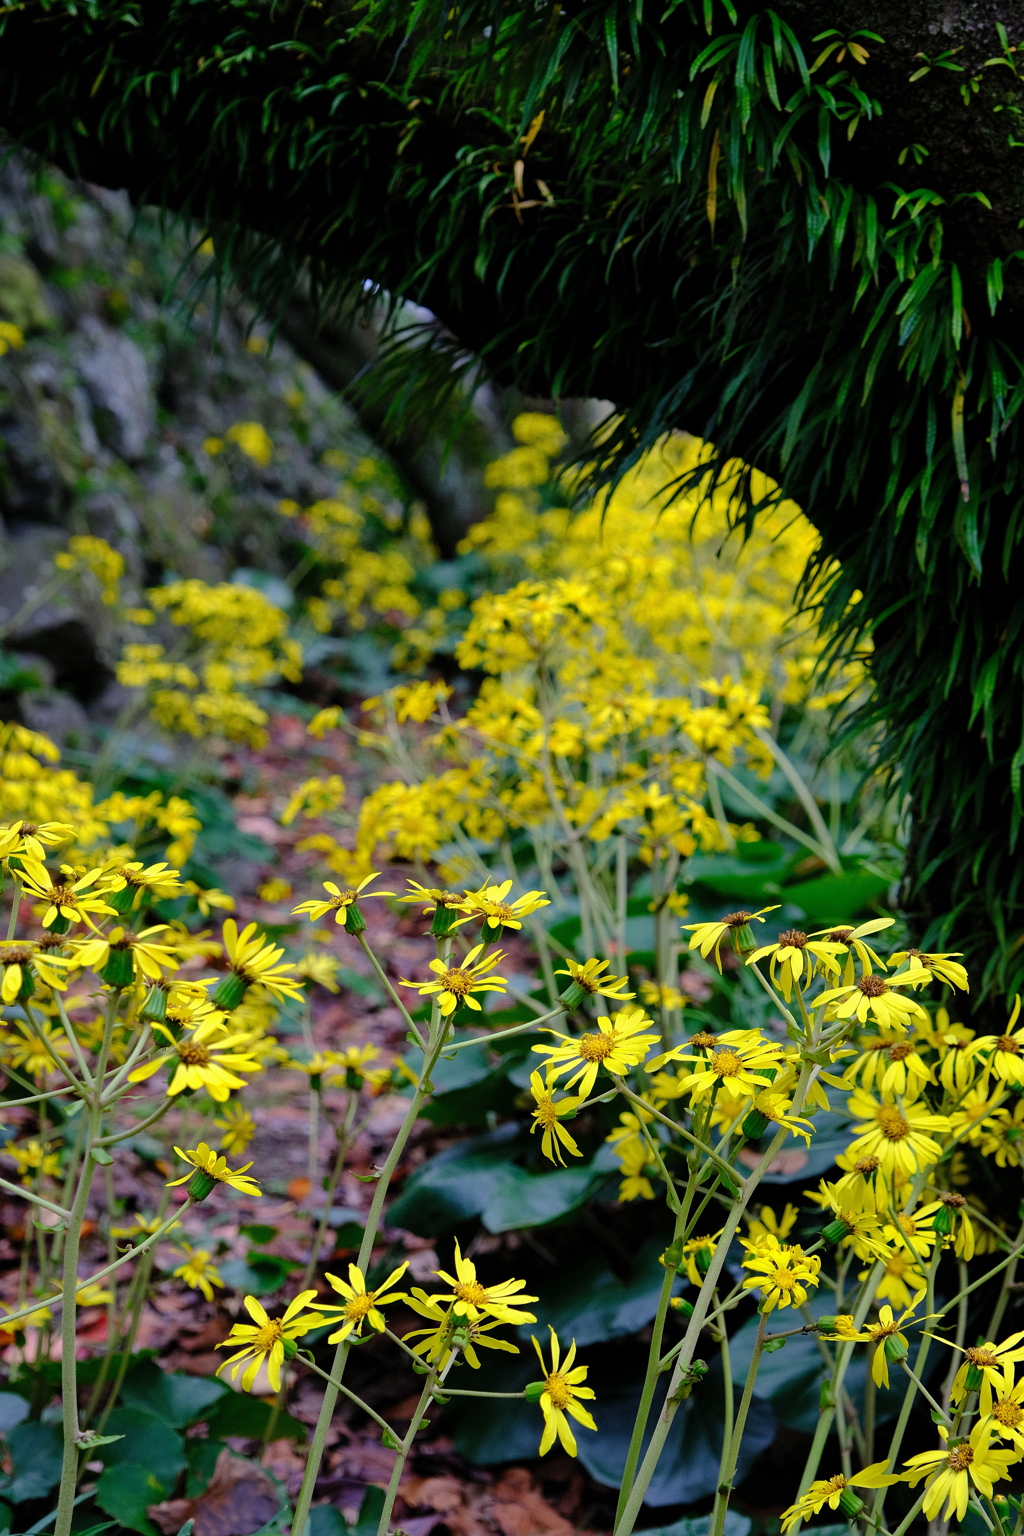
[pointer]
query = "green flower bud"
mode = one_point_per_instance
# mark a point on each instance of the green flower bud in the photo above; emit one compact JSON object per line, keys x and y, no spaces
{"x":754,"y":1125}
{"x":290,"y":1347}
{"x":200,"y":1185}
{"x":230,"y":992}
{"x":443,"y":920}
{"x":973,"y":1379}
{"x":573,"y":995}
{"x":827,"y":1323}
{"x":154,"y":1009}
{"x":836,"y":1231}
{"x":355,"y":922}
{"x":850,"y":1504}
{"x":123,"y":900}
{"x":119,"y":970}
{"x":895,"y":1347}
{"x":680,"y":1304}
{"x":534,"y":1391}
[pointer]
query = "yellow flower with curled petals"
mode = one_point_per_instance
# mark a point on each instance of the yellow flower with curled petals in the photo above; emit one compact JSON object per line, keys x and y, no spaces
{"x":878,"y":997}
{"x":449,"y":1333}
{"x":361,"y":1306}
{"x":253,"y":962}
{"x":455,"y":984}
{"x":560,"y":1395}
{"x":267,"y":1339}
{"x":338,"y":901}
{"x":66,"y":899}
{"x":617,"y":1045}
{"x":707,"y":937}
{"x":796,"y":958}
{"x":198,"y":1270}
{"x":472,"y":1300}
{"x":901,"y":1135}
{"x":957,"y":1469}
{"x":24,"y":963}
{"x":239,"y":1128}
{"x":547,"y":1116}
{"x":783,"y":1273}
{"x":589,"y":981}
{"x":491,"y":904}
{"x":209,"y":1170}
{"x":835,"y":1492}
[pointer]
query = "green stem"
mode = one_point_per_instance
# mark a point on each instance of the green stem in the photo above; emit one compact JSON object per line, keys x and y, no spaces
{"x":731,"y":1458}
{"x":403,"y":1010}
{"x":68,"y":1363}
{"x":404,"y":1449}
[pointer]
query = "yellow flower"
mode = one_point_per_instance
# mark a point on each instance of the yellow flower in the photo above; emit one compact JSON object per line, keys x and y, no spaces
{"x":1006,"y":1417}
{"x":474,"y":1301}
{"x":489,"y":903}
{"x":766,"y":1222}
{"x":891,"y":1065}
{"x":849,"y":1225}
{"x":68,"y":900}
{"x":31,"y":1157}
{"x":33,"y":1051}
{"x":207,"y":899}
{"x":127,"y":884}
{"x":456,"y":984}
{"x":322,"y":969}
{"x":252,"y":961}
{"x":772,"y":1109}
{"x":198,"y":1271}
{"x":707,"y":937}
{"x":92,"y":1295}
{"x":339,"y":902}
{"x":547,"y":1116}
{"x":617,"y":1046}
{"x":560,"y":1396}
{"x":239,"y":1128}
{"x":888,"y":1338}
{"x":361,"y":1305}
{"x":269,"y":1339}
{"x":853,"y":939}
{"x":875,"y":996}
{"x":945,"y":966}
{"x":697,"y":1255}
{"x":121,"y":957}
{"x":795,"y":958}
{"x":986,"y":1367}
{"x":833,"y":1492}
{"x":900,"y":1135}
{"x":951,"y":1471}
{"x":450,"y":1333}
{"x":636,"y":1167}
{"x":978,"y":1114}
{"x":588,"y":981}
{"x":24,"y":963}
{"x":902,"y":1280}
{"x":1001,"y":1054}
{"x":202,"y":1062}
{"x":1002,"y":1136}
{"x":653,"y":995}
{"x":951,"y":1222}
{"x":782,"y":1273}
{"x":142,"y":1226}
{"x":208,"y":1170}
{"x":33,"y":838}
{"x":739,"y":1059}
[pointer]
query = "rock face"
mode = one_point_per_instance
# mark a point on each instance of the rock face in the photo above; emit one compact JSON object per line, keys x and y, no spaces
{"x":105,"y":413}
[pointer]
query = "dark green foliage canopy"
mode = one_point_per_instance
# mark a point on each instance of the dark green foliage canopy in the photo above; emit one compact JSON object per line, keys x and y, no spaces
{"x":792,"y":231}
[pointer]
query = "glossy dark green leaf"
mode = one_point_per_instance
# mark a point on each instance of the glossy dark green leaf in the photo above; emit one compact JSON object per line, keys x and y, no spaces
{"x":147,"y":1442}
{"x":126,"y":1491}
{"x":837,"y":898}
{"x":261,"y":1274}
{"x":521,"y":1199}
{"x":588,"y":1303}
{"x":239,"y":1414}
{"x":454,"y":1185}
{"x":177,"y":1400}
{"x":36,"y":1452}
{"x":13,"y":1409}
{"x":327,"y":1520}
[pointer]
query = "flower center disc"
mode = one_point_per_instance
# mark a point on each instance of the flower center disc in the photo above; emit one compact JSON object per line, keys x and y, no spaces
{"x":193,"y":1055}
{"x":457,"y":981}
{"x":558,"y":1390}
{"x":960,"y":1459}
{"x":267,"y":1336}
{"x":726,"y":1063}
{"x":891,"y":1122}
{"x":471,"y":1291}
{"x":1008,"y":1413}
{"x":358,"y":1307}
{"x":872,"y":986}
{"x":596,"y":1047}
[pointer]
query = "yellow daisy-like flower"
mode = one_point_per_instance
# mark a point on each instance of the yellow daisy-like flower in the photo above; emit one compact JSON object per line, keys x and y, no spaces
{"x":766,"y":1222}
{"x":978,"y":1114}
{"x":782,"y":1273}
{"x":266,"y":1338}
{"x":209,"y":1170}
{"x":449,"y":1333}
{"x":587,"y":980}
{"x":697,"y":1255}
{"x":637,"y":1169}
{"x":770,"y":1109}
{"x":456,"y":984}
{"x":848,"y":1225}
{"x":739,"y":1059}
{"x":490,"y":903}
{"x":32,"y":1157}
{"x":339,"y":901}
{"x":252,"y":961}
{"x":474,"y":1301}
{"x":239,"y":1128}
{"x":1006,"y":1417}
{"x":901,"y":1135}
{"x":835,"y":1492}
{"x":852,"y":939}
{"x":92,"y":1295}
{"x":1003,"y":1055}
{"x":707,"y":937}
{"x":560,"y":1396}
{"x":959,"y":1465}
{"x":361,"y":1306}
{"x":876,"y":997}
{"x":547,"y":1117}
{"x":198,"y":1271}
{"x":951,"y":1222}
{"x":127,"y":884}
{"x":617,"y":1046}
{"x":887,"y":1336}
{"x":121,"y":957}
{"x":893,"y":1065}
{"x":33,"y":1050}
{"x":986,"y":1368}
{"x":24,"y":963}
{"x":903,"y":1278}
{"x":202,"y":1061}
{"x":142,"y":1226}
{"x":796,"y":958}
{"x":944,"y":967}
{"x":33,"y":838}
{"x":67,"y":900}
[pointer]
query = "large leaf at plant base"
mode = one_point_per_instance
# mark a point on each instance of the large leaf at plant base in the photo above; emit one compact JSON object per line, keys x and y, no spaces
{"x":261,"y":1274}
{"x":754,"y":870}
{"x":36,"y":1452}
{"x":125,"y":1491}
{"x":588,"y":1303}
{"x":454,"y":1185}
{"x":13,"y":1409}
{"x":521,"y":1199}
{"x":236,"y":1413}
{"x":177,"y":1400}
{"x":837,"y":898}
{"x":700,"y":1525}
{"x":471,"y":1105}
{"x":147,"y":1441}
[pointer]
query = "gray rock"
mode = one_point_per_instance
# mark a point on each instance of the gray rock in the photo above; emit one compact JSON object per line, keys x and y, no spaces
{"x":56,"y":715}
{"x":116,"y":377}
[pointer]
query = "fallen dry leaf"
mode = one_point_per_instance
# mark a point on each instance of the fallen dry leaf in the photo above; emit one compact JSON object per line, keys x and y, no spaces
{"x":239,"y":1499}
{"x":520,"y":1509}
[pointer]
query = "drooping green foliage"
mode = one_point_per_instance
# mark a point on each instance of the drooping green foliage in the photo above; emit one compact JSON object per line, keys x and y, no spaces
{"x":799,"y":242}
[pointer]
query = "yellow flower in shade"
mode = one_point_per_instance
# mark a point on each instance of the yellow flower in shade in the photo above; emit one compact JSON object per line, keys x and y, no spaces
{"x":560,"y":1396}
{"x":852,"y":939}
{"x":795,"y":958}
{"x":951,"y":1222}
{"x":637,"y":1169}
{"x":890,"y":1341}
{"x":739,"y":1059}
{"x":92,"y":1295}
{"x":902,"y":1279}
{"x":890,"y":1064}
{"x":547,"y":1117}
{"x":835,"y":1492}
{"x":978,"y":1113}
{"x":37,"y":1319}
{"x":475,"y":1301}
{"x":208,"y":1170}
{"x":239,"y":1128}
{"x":697,"y":1255}
{"x":33,"y":838}
{"x":121,"y":957}
{"x":1006,"y":1417}
{"x":986,"y":1368}
{"x":617,"y":1046}
{"x":587,"y":978}
{"x":1003,"y":1055}
{"x":142,"y":1226}
{"x":449,"y":1333}
{"x":847,"y":1224}
{"x":490,"y":903}
{"x":252,"y":962}
{"x":951,"y":1471}
{"x":456,"y":984}
{"x":1002,"y":1136}
{"x":128,"y":884}
{"x":862,"y":1184}
{"x":33,"y":1050}
{"x":267,"y":1339}
{"x":654,"y":995}
{"x":943,"y":967}
{"x":322,"y":969}
{"x":361,"y":1306}
{"x":766,"y":1222}
{"x":67,"y":900}
{"x":957,"y":1067}
{"x":198,"y":1270}
{"x":338,"y":901}
{"x":782,"y":1273}
{"x":24,"y":963}
{"x":206,"y":900}
{"x":876,"y":997}
{"x":707,"y":937}
{"x":901,"y":1135}
{"x":202,"y":1062}
{"x":768,"y":1110}
{"x":31,"y":1158}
